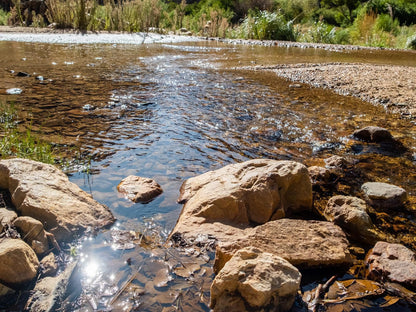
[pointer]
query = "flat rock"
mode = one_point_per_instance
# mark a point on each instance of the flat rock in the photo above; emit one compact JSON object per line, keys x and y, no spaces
{"x":44,"y":192}
{"x":373,"y":134}
{"x":392,"y":262}
{"x":237,"y":195}
{"x":262,"y":281}
{"x":18,"y":262}
{"x":48,"y":265}
{"x":139,"y":189}
{"x":49,"y":292}
{"x":350,"y":213}
{"x":383,"y":195}
{"x":306,"y":244}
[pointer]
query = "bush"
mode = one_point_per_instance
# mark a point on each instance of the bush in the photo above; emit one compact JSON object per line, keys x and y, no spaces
{"x":265,"y":25}
{"x":403,"y":10}
{"x":411,"y":42}
{"x":4,"y":16}
{"x":384,"y":22}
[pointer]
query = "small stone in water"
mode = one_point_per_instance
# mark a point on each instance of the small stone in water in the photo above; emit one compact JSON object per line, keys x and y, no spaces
{"x":22,"y":74}
{"x":39,"y":78}
{"x":14,"y":91}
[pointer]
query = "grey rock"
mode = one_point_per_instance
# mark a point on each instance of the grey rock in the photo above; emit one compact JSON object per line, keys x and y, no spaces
{"x":383,"y":195}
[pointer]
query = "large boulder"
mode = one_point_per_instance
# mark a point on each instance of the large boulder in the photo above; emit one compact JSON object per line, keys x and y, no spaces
{"x":256,"y":280}
{"x":306,"y":244}
{"x":392,"y":262}
{"x":33,"y":233}
{"x":383,"y":195}
{"x":350,"y":213}
{"x":44,"y":192}
{"x":252,"y":192}
{"x":18,"y":262}
{"x":138,"y":189}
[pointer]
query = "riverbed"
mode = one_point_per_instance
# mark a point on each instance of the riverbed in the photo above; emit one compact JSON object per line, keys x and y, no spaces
{"x":174,"y":107}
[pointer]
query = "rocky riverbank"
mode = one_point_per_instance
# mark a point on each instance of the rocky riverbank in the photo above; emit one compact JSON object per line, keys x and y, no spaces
{"x":387,"y":85}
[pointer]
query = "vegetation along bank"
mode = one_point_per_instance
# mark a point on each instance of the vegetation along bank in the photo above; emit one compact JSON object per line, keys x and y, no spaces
{"x":378,"y":23}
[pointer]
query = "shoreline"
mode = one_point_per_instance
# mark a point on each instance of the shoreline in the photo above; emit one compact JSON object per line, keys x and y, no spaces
{"x":392,"y":86}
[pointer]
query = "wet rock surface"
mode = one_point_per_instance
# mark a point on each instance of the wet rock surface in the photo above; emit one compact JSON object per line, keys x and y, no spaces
{"x":43,"y":192}
{"x":255,"y":191}
{"x":392,"y":262}
{"x":18,"y":262}
{"x":373,"y":134}
{"x":138,"y":189}
{"x":384,"y":195}
{"x":258,"y":280}
{"x":306,"y":244}
{"x":33,"y":233}
{"x":350,"y":213}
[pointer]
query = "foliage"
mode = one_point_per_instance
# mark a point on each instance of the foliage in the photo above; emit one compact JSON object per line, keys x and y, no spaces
{"x":411,"y":43}
{"x":4,"y":16}
{"x":403,"y":10}
{"x":14,"y":143}
{"x":266,"y":25}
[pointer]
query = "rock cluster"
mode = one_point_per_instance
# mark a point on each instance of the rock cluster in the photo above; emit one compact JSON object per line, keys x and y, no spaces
{"x":49,"y":208}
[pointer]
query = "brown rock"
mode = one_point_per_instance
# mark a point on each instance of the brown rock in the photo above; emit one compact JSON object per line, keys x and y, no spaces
{"x":33,"y":233}
{"x":337,"y":162}
{"x":373,"y":134}
{"x":319,"y":175}
{"x":139,"y":189}
{"x":262,"y":281}
{"x":350,"y":213}
{"x":383,"y":195}
{"x":45,"y":193}
{"x":18,"y":262}
{"x":392,"y":262}
{"x":49,"y":292}
{"x":6,"y":217}
{"x":48,"y":265}
{"x":304,"y":243}
{"x":254,"y":191}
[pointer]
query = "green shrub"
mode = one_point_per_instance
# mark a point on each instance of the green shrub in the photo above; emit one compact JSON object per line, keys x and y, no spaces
{"x":411,"y":42}
{"x":265,"y":25}
{"x":4,"y":16}
{"x":384,"y":22}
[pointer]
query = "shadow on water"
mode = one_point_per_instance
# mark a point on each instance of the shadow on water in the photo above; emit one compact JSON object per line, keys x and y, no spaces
{"x":171,"y":112}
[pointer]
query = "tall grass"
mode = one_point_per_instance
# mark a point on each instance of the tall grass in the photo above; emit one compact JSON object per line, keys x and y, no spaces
{"x":266,"y":25}
{"x":14,"y":143}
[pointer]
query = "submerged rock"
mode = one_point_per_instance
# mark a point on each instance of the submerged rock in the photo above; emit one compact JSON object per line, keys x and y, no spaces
{"x":392,"y":262}
{"x":139,"y":189}
{"x":258,"y":280}
{"x":384,"y":195}
{"x":45,"y":193}
{"x":238,"y":195}
{"x":306,"y":244}
{"x":350,"y":213}
{"x":373,"y":134}
{"x":18,"y":262}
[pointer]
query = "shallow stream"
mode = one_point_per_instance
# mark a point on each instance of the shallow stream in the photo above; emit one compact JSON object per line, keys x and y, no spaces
{"x":170,"y":112}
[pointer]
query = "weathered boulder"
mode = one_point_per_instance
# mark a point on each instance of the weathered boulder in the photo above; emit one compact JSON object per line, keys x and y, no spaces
{"x":350,"y":213}
{"x":373,"y":134}
{"x":6,"y":217}
{"x":305,"y":244}
{"x":383,"y":195}
{"x":48,"y":265}
{"x":33,"y":233}
{"x":45,"y":193}
{"x":262,"y":281}
{"x":392,"y":262}
{"x":252,"y":192}
{"x":139,"y":189}
{"x":18,"y":262}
